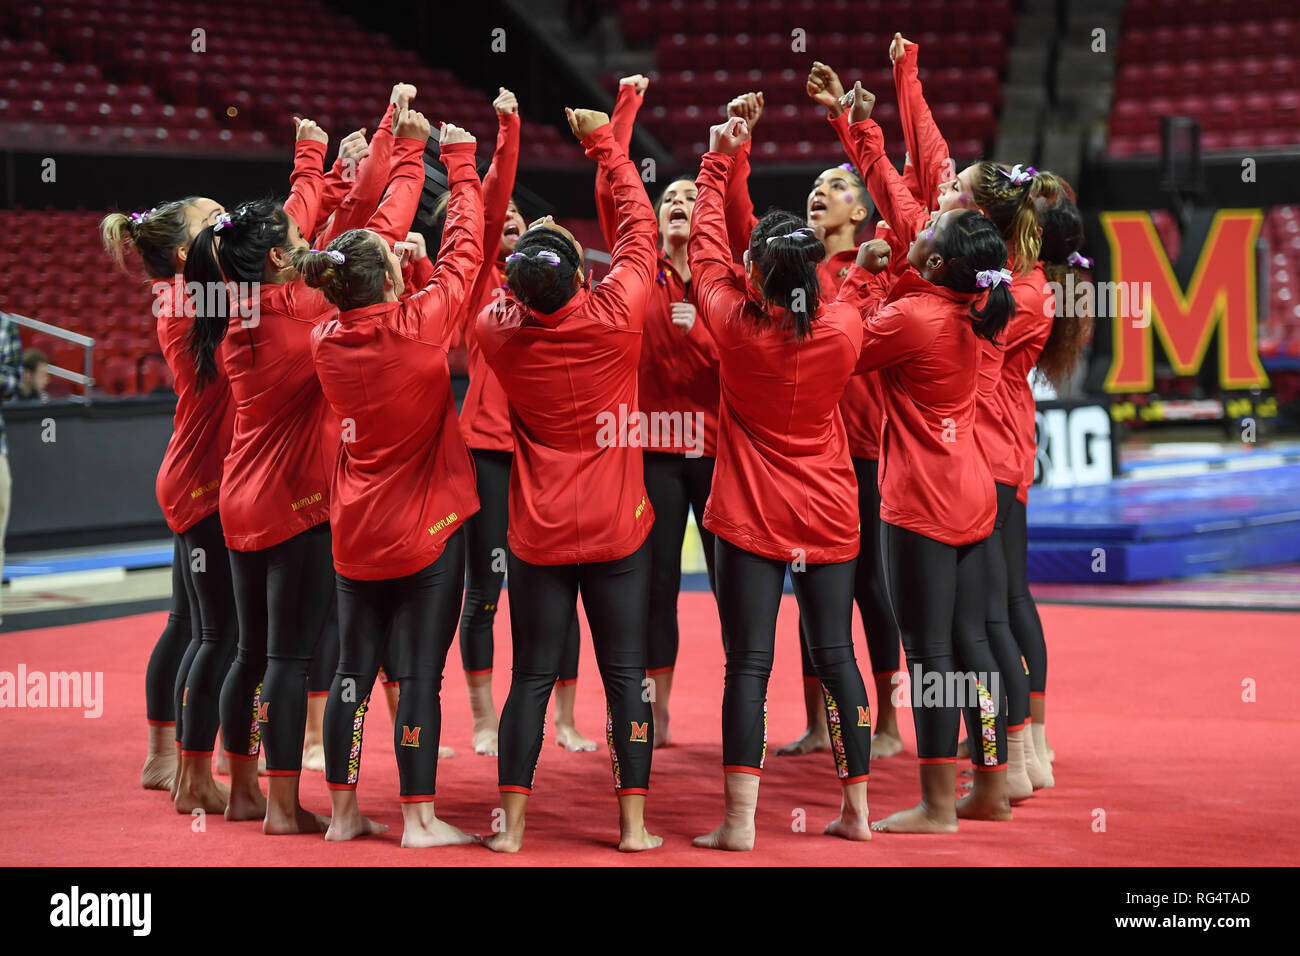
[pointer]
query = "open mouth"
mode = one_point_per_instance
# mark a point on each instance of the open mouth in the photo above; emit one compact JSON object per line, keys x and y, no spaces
{"x":678,"y":216}
{"x":817,"y":205}
{"x":512,"y":229}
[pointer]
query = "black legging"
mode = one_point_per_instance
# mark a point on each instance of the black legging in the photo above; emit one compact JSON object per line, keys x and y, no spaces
{"x":485,"y":568}
{"x":283,"y":596}
{"x":320,"y":676}
{"x":542,"y":601}
{"x":418,"y":615}
{"x":940,"y":600}
{"x":1025,"y":625}
{"x":749,"y":597}
{"x":676,"y":486}
{"x":169,"y":651}
{"x":207,"y":572}
{"x":997,"y":620}
{"x":869,"y":582}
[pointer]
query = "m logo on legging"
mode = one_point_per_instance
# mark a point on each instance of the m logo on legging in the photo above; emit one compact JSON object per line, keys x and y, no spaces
{"x":263,"y":712}
{"x":410,"y":738}
{"x":864,"y":718}
{"x":640,"y":732}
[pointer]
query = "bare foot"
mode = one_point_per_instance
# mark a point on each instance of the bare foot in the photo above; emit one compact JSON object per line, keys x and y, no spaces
{"x":727,"y":838}
{"x":159,"y":771}
{"x":885,"y":744}
{"x":436,"y":833}
{"x":919,"y":819}
{"x":975,"y":806}
{"x":640,"y":840}
{"x":246,"y":805}
{"x":223,"y":763}
{"x":445,"y":752}
{"x":300,"y":821}
{"x":351,"y":827}
{"x":850,"y":826}
{"x":569,"y":738}
{"x":506,"y":842}
{"x":209,"y":796}
{"x":313,"y":757}
{"x":485,"y":741}
{"x":812,"y":741}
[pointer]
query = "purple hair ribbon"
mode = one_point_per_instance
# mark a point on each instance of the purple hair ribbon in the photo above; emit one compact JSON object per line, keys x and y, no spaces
{"x":1019,"y":174}
{"x":223,"y":220}
{"x":336,"y":257}
{"x":993,"y":278}
{"x":1083,"y":262}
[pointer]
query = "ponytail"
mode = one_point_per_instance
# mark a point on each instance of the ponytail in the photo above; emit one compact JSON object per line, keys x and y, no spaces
{"x":1072,"y":323}
{"x":350,"y":272}
{"x":1011,"y":197}
{"x":156,"y":235}
{"x":541,"y":269}
{"x":203,"y":272}
{"x":786,"y":254}
{"x":971,"y":244}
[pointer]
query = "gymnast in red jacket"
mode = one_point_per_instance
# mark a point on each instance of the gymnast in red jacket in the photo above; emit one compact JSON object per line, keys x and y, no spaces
{"x":579,"y":517}
{"x":402,"y":488}
{"x":784,"y":492}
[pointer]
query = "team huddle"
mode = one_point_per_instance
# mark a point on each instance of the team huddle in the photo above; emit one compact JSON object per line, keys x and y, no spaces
{"x":860,"y":417}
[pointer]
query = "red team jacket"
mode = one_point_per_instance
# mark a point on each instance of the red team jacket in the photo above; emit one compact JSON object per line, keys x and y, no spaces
{"x":485,"y":413}
{"x":934,"y":480}
{"x":784,"y":485}
{"x":677,"y":380}
{"x":189,"y":480}
{"x":1023,"y":341}
{"x":276,"y":481}
{"x":860,"y":404}
{"x":576,"y":489}
{"x":404,"y":480}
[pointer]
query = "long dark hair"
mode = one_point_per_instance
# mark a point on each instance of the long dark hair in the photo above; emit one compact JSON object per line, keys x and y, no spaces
{"x":228,"y":252}
{"x":535,"y":279}
{"x":1071,"y":325}
{"x":787,"y":253}
{"x":970,"y":243}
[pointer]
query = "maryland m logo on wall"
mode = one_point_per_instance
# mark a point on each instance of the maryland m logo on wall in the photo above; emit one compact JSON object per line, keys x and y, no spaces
{"x":1220,"y":297}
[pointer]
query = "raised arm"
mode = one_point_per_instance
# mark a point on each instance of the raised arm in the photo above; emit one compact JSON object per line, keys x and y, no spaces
{"x":631,"y":94}
{"x":429,"y":315}
{"x":867,"y":282}
{"x":338,"y":181}
{"x":865,"y":143}
{"x":395,"y":214}
{"x":926,"y":147}
{"x":738,"y":205}
{"x":372,"y":175}
{"x":308,"y":176}
{"x":619,"y":300}
{"x":890,"y":334}
{"x":498,"y":186}
{"x":719,"y":292}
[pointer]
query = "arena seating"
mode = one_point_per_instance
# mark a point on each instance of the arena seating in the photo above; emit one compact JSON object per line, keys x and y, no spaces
{"x":1213,"y":60}
{"x":704,"y":59}
{"x":122,"y":73}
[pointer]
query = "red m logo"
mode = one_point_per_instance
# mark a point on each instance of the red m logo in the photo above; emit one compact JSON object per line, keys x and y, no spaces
{"x":262,"y":712}
{"x":640,"y":732}
{"x":410,"y":738}
{"x":864,"y":718}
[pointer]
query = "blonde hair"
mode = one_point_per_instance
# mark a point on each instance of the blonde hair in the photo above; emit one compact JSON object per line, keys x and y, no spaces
{"x":156,"y":235}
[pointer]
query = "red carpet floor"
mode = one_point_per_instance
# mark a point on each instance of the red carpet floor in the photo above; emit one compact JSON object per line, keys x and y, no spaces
{"x":1145,"y":712}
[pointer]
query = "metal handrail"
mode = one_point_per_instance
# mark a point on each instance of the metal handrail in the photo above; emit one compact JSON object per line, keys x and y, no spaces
{"x":85,"y":379}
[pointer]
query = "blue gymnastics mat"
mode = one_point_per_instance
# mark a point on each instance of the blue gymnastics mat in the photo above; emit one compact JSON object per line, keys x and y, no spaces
{"x":1146,"y":530}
